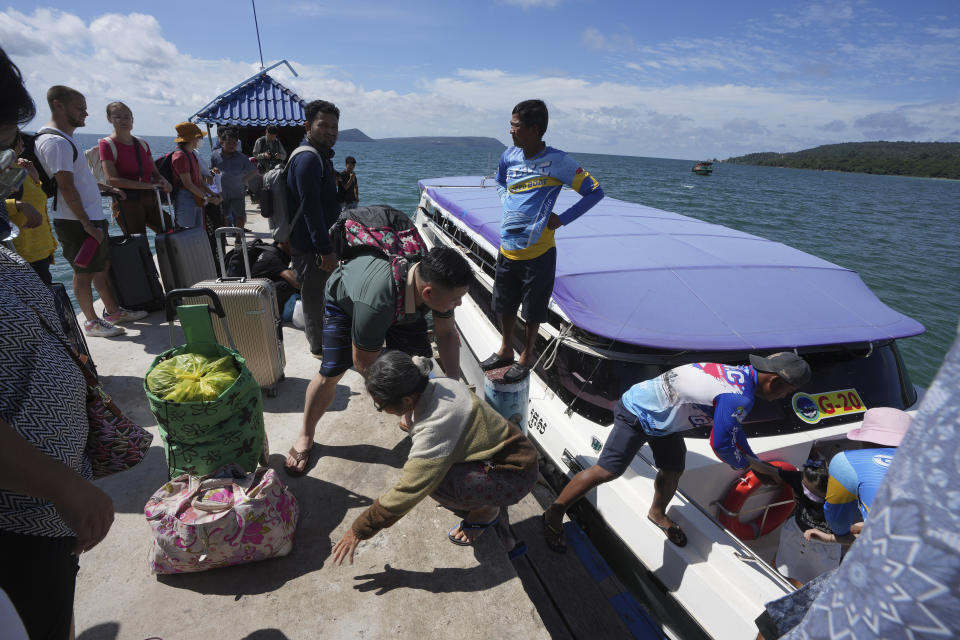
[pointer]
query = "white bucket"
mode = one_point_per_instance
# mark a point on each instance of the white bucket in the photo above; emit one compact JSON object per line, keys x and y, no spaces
{"x":511,"y":400}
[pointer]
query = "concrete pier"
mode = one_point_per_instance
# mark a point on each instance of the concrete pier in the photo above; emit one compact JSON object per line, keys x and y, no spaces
{"x":407,"y":582}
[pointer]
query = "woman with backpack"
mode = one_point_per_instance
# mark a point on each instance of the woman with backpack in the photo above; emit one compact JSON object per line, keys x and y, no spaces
{"x":192,"y":190}
{"x":128,"y":165}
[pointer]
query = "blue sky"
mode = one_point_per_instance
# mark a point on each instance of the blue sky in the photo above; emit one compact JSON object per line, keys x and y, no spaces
{"x":690,"y":80}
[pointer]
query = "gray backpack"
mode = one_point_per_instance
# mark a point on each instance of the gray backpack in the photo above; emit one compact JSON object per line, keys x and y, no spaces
{"x":273,"y":197}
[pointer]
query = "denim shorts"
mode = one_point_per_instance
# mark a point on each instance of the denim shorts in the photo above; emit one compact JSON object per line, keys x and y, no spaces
{"x":409,"y":337}
{"x":624,"y":442}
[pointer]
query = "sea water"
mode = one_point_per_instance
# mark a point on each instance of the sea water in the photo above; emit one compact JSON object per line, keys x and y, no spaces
{"x":902,"y":235}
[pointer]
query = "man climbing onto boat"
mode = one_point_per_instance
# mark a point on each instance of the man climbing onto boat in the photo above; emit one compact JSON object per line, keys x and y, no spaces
{"x":659,"y":410}
{"x":529,"y":179}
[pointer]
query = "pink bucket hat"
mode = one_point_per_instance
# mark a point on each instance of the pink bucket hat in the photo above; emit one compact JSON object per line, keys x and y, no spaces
{"x":883,"y":425}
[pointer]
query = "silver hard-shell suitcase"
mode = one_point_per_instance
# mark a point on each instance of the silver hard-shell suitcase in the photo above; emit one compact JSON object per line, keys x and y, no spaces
{"x":184,"y":255}
{"x":251,"y":308}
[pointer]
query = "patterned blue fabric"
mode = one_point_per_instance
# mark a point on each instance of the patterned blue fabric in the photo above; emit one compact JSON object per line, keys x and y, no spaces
{"x":901,"y":578}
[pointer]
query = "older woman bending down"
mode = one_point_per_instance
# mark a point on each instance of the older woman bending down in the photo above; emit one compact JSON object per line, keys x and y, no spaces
{"x":464,"y":454}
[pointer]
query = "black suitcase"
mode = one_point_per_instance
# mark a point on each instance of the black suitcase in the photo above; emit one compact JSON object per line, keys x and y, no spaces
{"x":69,"y":324}
{"x":184,"y":256}
{"x":134,"y":274}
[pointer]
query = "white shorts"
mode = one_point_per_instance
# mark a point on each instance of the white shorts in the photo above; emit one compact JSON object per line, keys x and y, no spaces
{"x":802,"y":559}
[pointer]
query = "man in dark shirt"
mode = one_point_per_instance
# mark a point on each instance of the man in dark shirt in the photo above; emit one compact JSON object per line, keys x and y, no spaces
{"x":312,"y":188}
{"x":347,"y":189}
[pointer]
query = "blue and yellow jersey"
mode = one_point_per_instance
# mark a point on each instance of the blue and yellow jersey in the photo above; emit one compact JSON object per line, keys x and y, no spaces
{"x":529,"y":188}
{"x":855,"y":477}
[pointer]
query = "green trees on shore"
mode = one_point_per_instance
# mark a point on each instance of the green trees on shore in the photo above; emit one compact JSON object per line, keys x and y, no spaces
{"x":921,"y":159}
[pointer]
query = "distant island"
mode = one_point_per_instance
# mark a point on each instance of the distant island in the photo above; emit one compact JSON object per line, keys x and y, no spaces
{"x":355,"y":135}
{"x":919,"y":159}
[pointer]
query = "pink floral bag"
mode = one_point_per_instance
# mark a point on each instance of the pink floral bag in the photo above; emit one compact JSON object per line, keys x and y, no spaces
{"x":228,"y":517}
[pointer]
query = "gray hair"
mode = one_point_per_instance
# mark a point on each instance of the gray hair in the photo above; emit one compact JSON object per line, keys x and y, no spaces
{"x":395,"y":375}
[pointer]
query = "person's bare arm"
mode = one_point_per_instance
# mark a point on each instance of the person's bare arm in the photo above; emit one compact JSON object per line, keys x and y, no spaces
{"x":290,"y":278}
{"x":24,"y":469}
{"x":363,"y":359}
{"x":448,"y":344}
{"x":70,"y":195}
{"x":114,"y":179}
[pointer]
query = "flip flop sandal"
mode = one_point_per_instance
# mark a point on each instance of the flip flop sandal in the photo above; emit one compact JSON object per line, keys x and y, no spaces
{"x":554,"y":538}
{"x":674,"y":533}
{"x":495,"y":362}
{"x":464,"y":525}
{"x":298,"y":457}
{"x":516,"y":373}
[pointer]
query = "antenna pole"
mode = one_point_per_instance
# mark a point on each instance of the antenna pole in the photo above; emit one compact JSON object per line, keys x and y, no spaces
{"x":253,"y":2}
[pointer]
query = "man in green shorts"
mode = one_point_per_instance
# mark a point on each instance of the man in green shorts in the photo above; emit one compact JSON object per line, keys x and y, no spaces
{"x":361,"y":315}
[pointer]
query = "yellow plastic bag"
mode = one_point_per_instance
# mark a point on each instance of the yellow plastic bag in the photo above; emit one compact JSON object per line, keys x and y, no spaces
{"x":191,"y":377}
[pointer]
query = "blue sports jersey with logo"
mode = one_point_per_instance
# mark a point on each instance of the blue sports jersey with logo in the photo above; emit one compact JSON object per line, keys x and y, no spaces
{"x":697,"y":395}
{"x":529,"y":187}
{"x":854,"y":479}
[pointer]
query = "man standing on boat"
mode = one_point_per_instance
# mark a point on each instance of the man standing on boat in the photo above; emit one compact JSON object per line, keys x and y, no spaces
{"x":659,"y":410}
{"x":529,"y":179}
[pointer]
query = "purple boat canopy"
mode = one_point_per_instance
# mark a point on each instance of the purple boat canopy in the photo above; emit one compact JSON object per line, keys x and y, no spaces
{"x":663,"y":280}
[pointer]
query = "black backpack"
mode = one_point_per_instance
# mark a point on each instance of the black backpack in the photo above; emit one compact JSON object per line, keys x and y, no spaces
{"x":165,"y":166}
{"x":47,"y":182}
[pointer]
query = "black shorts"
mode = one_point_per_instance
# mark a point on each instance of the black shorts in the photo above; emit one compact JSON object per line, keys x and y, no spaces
{"x":526,"y":281}
{"x":71,"y":235}
{"x":39,"y":574}
{"x":409,"y":337}
{"x":623,"y":443}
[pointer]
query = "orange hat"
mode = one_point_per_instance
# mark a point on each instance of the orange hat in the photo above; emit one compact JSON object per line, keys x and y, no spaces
{"x":187,"y":131}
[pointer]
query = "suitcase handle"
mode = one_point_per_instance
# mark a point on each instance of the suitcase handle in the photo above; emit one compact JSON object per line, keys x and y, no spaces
{"x":241,"y":238}
{"x":175,"y":297}
{"x":163,"y":226}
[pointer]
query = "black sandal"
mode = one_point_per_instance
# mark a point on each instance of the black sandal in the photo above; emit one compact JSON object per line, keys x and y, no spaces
{"x":516,"y":373}
{"x":674,"y":533}
{"x":554,"y":538}
{"x":495,"y":362}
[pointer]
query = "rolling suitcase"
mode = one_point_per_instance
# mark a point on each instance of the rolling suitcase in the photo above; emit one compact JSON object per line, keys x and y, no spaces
{"x":251,"y":308}
{"x":184,"y":255}
{"x":134,"y":273}
{"x":70,"y":325}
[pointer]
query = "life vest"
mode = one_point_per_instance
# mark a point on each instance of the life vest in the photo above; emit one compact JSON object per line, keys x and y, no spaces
{"x":738,"y":495}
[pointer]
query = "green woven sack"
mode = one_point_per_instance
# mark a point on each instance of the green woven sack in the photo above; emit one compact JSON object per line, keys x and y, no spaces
{"x":200,"y":437}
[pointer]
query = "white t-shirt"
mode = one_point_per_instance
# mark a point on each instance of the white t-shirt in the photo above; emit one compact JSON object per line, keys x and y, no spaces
{"x":55,"y":155}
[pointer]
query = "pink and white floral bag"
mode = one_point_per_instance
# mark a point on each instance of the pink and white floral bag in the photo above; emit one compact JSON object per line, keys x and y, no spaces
{"x":228,"y":517}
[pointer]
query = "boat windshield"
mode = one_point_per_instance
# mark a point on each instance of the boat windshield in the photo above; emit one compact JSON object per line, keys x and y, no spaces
{"x":593,"y":385}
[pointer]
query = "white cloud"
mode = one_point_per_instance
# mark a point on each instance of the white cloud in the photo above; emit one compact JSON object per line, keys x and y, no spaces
{"x":126,"y":57}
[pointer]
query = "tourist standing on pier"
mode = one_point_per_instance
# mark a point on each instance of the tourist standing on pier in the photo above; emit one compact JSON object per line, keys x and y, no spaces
{"x":190,"y":185}
{"x":234,"y":168}
{"x":128,"y":165}
{"x":360,"y":316}
{"x":529,"y":179}
{"x":77,"y":211}
{"x":50,"y":512}
{"x":463,"y":454}
{"x":312,"y":190}
{"x":657,"y":411}
{"x":28,"y":210}
{"x":348,"y":191}
{"x":268,"y":151}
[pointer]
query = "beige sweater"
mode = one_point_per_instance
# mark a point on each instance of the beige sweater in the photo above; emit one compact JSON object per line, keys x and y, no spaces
{"x":451,"y":425}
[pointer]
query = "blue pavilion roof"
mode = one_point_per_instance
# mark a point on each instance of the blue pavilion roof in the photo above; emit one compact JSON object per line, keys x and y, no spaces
{"x":257,"y":101}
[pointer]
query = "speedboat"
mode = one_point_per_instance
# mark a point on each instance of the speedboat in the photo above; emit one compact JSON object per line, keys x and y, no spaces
{"x":703,"y":168}
{"x":639,"y":291}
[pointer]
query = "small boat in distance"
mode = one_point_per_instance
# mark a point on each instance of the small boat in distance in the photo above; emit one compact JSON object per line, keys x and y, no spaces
{"x":703,"y":168}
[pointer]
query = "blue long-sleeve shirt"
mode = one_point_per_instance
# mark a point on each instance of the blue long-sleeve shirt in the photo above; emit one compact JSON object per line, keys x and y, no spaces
{"x":312,"y":184}
{"x":697,"y":395}
{"x":528,"y":188}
